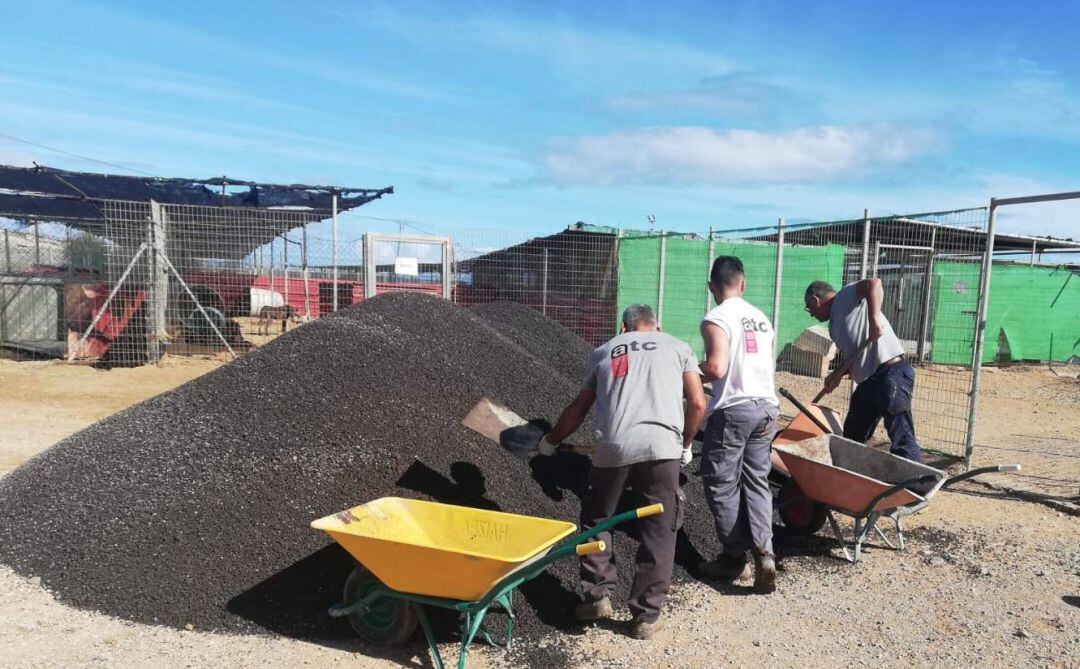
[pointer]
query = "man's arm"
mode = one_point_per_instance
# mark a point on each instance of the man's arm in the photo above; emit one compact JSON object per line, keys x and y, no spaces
{"x":717,"y":352}
{"x":572,"y":416}
{"x":694,"y":411}
{"x":871,"y":291}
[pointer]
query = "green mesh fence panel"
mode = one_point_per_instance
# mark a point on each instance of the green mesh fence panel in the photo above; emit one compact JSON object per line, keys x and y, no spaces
{"x":686,"y":263}
{"x":1034,"y":313}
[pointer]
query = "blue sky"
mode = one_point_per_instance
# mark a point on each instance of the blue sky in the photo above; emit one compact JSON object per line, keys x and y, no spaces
{"x":529,"y":116}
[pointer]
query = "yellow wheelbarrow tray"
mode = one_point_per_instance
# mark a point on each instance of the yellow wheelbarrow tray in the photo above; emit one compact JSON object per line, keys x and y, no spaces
{"x":413,"y":554}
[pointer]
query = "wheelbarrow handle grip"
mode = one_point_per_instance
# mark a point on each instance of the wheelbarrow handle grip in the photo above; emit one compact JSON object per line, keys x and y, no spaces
{"x":979,"y":471}
{"x":651,"y":510}
{"x":590,"y":548}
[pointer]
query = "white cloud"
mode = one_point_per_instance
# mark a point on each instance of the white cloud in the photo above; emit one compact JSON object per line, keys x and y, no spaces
{"x":709,"y":156}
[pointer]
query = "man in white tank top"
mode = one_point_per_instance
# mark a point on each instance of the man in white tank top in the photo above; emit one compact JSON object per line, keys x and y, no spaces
{"x":741,"y":421}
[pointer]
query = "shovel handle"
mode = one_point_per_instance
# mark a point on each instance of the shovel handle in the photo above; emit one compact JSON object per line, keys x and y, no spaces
{"x":590,"y":548}
{"x":844,"y":369}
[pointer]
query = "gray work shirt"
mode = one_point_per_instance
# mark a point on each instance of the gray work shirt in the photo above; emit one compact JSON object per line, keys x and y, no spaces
{"x":849,"y":326}
{"x":638,"y":379}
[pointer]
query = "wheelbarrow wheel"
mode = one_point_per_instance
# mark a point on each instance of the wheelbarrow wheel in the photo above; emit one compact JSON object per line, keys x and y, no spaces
{"x":388,"y":621}
{"x":800,"y":515}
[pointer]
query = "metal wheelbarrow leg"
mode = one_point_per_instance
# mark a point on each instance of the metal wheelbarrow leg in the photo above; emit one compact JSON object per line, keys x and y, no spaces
{"x":866,"y":521}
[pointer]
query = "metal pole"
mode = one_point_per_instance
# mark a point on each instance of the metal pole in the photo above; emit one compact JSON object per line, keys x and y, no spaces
{"x":980,"y":333}
{"x":333,"y":201}
{"x":865,"y":243}
{"x":159,"y":282}
{"x":285,"y":237}
{"x":663,"y":277}
{"x":928,"y":281}
{"x":272,"y":263}
{"x":370,"y":273}
{"x":71,"y":257}
{"x":304,"y":274}
{"x":7,"y":253}
{"x":708,"y":271}
{"x":545,"y":274}
{"x":779,"y":275}
{"x":446,"y":259}
{"x":37,"y":244}
{"x":1032,"y":253}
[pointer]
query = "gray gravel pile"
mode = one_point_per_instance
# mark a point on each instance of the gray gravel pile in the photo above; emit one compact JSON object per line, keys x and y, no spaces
{"x":560,"y":346}
{"x":192,"y":508}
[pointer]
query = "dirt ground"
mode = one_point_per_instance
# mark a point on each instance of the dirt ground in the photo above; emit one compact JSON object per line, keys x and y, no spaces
{"x":986,"y":579}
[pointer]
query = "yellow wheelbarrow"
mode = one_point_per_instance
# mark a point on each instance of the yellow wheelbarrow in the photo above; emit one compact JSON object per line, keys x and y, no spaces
{"x":414,"y":554}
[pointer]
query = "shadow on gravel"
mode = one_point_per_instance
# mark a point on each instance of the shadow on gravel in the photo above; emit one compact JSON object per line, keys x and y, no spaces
{"x":1071,"y":600}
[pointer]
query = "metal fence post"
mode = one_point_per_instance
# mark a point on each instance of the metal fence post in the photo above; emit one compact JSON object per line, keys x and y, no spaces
{"x":273,"y":262}
{"x":663,"y":277}
{"x":285,"y":238}
{"x":708,"y":271}
{"x":159,"y":282}
{"x":865,"y":243}
{"x":7,"y":253}
{"x":333,"y":248}
{"x":447,"y":293}
{"x":37,"y":244}
{"x":304,"y":274}
{"x":370,"y":274}
{"x":980,"y":332}
{"x":545,"y":274}
{"x":779,"y":275}
{"x":928,"y":282}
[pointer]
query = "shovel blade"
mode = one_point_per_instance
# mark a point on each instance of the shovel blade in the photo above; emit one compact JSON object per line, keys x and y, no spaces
{"x":490,"y":417}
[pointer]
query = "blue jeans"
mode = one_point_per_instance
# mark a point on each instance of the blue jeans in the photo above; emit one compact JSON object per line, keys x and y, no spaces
{"x":886,"y":394}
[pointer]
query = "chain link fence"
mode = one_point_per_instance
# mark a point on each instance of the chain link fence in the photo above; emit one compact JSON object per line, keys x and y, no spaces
{"x":180,"y":279}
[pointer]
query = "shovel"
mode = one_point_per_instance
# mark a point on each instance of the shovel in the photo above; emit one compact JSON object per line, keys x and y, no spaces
{"x":846,"y":367}
{"x":502,"y":425}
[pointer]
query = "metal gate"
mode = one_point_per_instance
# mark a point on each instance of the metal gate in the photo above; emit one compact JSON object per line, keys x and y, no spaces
{"x":906,"y":274}
{"x":407,"y":263}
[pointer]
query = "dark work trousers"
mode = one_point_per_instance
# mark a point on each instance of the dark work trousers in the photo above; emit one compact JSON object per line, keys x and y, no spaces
{"x":735,"y":472}
{"x":653,"y":481}
{"x":886,"y":394}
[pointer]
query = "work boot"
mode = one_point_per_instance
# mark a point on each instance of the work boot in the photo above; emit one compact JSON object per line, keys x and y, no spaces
{"x":600,"y":609}
{"x":643,"y":629}
{"x":764,"y":574}
{"x":729,"y":567}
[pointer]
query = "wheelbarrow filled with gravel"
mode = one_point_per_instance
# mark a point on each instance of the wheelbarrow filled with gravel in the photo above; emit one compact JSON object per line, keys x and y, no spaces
{"x":414,"y":554}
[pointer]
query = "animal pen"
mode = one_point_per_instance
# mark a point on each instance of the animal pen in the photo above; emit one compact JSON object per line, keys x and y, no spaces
{"x":121,"y":270}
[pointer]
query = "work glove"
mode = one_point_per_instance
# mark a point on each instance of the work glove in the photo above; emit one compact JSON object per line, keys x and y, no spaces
{"x":687,"y":456}
{"x":545,"y":447}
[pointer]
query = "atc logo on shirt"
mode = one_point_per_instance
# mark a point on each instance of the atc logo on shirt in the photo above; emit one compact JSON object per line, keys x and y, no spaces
{"x":750,"y":328}
{"x":620,"y":361}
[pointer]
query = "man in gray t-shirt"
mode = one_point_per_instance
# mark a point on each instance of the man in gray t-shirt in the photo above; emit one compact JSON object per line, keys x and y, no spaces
{"x":886,"y":380}
{"x":638,"y":381}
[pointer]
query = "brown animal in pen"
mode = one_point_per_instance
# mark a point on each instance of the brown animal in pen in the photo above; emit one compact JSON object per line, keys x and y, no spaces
{"x":268,"y":315}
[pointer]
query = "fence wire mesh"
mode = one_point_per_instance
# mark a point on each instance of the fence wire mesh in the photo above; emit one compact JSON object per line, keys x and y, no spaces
{"x":180,"y":279}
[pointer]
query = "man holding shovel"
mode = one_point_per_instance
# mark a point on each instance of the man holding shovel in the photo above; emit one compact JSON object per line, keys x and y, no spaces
{"x":638,"y":381}
{"x":875,"y":360}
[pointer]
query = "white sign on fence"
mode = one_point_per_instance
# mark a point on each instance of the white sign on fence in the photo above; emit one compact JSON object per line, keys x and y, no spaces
{"x":407,"y":266}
